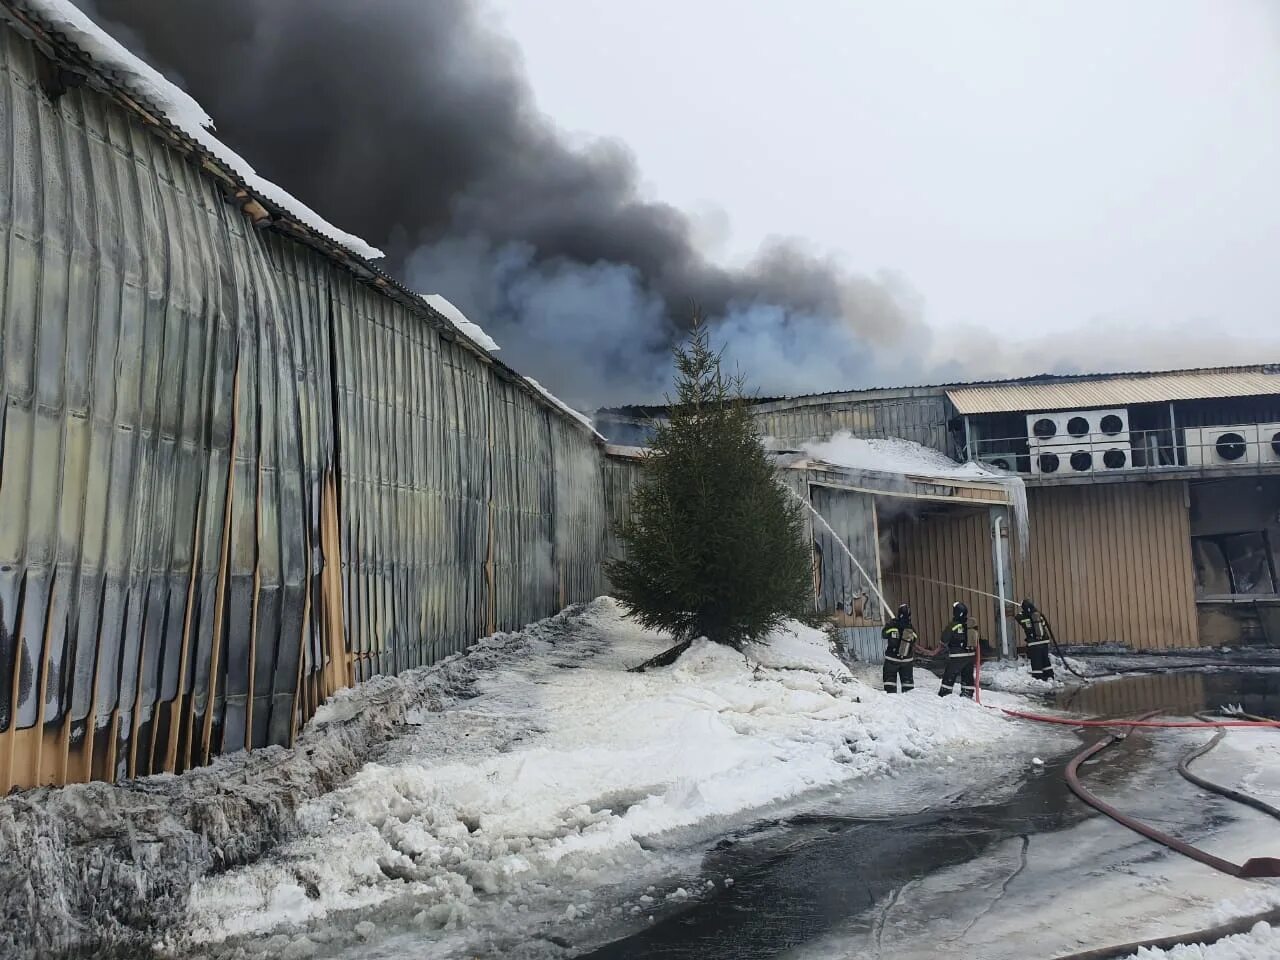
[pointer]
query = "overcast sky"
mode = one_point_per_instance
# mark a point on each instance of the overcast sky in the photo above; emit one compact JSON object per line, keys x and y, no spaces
{"x":1028,"y":167}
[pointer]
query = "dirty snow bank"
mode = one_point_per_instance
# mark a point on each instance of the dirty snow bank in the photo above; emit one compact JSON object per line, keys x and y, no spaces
{"x":1260,"y":943}
{"x":93,"y":864}
{"x":563,"y":769}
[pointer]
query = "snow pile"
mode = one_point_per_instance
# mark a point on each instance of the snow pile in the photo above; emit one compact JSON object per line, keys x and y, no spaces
{"x":564,"y":407}
{"x":894,"y":455}
{"x":1260,"y":943}
{"x":1014,"y":676}
{"x":472,"y":331}
{"x":563,"y":769}
{"x":180,"y":109}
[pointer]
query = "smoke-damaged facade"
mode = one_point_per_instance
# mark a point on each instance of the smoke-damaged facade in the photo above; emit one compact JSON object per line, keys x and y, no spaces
{"x":241,"y":468}
{"x":1153,"y":498}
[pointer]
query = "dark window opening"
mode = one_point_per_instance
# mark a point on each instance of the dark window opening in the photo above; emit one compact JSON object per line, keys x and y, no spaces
{"x":1238,"y":563}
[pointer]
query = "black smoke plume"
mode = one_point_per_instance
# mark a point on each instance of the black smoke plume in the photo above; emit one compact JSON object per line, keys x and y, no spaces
{"x":411,"y":124}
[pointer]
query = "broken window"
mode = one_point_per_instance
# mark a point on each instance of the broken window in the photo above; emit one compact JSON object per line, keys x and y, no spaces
{"x":1249,"y":561}
{"x":1238,"y":563}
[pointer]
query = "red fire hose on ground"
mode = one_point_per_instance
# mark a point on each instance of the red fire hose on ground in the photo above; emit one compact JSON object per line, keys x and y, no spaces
{"x":1184,"y":768}
{"x":1251,"y":868}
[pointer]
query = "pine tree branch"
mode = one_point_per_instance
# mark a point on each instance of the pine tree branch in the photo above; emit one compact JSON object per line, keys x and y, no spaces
{"x":665,"y":658}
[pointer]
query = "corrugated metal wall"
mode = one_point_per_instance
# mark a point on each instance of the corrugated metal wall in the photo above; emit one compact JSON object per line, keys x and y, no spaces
{"x":233,"y":478}
{"x":953,"y":547}
{"x":620,"y":477}
{"x":1112,"y":563}
{"x":839,"y":582}
{"x":922,"y":419}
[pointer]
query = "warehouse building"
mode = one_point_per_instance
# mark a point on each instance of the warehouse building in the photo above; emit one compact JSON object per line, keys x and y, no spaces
{"x":240,"y":466}
{"x":1154,"y":498}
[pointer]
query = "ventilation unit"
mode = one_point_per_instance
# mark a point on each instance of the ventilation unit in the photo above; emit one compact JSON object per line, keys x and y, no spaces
{"x":1269,"y":442}
{"x":1000,"y":461}
{"x":1222,"y":446}
{"x":1112,"y":457}
{"x":1064,"y":461}
{"x":1075,"y":427}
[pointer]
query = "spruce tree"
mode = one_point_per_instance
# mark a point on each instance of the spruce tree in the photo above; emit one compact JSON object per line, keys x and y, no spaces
{"x":714,"y":545}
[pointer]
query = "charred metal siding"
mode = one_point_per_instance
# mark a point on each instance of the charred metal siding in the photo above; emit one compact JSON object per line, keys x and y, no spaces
{"x":839,"y":583}
{"x":1112,"y":563}
{"x":232,"y":476}
{"x":919,"y":418}
{"x":620,"y":478}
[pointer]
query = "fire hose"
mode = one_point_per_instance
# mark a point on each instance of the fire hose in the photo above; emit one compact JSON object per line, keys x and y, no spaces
{"x":1211,"y":934}
{"x":1206,"y":936}
{"x":1163,"y":724}
{"x":1053,"y":637}
{"x":1251,"y":868}
{"x":1184,"y":766}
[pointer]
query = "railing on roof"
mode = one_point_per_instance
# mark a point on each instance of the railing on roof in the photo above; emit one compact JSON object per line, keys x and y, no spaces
{"x":1239,"y":446}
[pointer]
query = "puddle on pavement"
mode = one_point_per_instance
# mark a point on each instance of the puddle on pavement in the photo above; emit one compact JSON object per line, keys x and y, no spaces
{"x":822,"y":873}
{"x":1178,"y":693}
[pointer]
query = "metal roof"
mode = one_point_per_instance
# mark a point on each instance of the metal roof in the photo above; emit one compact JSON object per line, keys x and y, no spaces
{"x":1118,"y":390}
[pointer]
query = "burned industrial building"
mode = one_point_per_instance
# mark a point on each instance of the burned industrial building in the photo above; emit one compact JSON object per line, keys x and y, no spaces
{"x":1153,"y":498}
{"x":243,"y":467}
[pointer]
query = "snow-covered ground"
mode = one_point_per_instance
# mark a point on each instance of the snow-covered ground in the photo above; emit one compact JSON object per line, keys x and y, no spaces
{"x":1260,"y":943}
{"x":535,"y":791}
{"x":1095,"y":883}
{"x":1014,"y":676}
{"x":564,"y":771}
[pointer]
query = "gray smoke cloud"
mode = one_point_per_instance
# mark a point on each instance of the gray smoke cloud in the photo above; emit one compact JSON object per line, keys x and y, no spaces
{"x":411,"y":124}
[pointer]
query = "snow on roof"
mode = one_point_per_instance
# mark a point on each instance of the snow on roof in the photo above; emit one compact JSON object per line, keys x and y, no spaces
{"x":562,"y":406}
{"x":894,"y":455}
{"x":905,"y":457}
{"x":180,"y":109}
{"x":472,"y":331}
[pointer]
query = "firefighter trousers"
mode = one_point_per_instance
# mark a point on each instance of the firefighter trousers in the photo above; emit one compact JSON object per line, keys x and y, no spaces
{"x":959,"y":666}
{"x":1041,"y":666}
{"x":895,"y":670}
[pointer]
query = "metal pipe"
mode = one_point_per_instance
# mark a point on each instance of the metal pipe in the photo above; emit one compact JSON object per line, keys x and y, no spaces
{"x":1004,"y":620}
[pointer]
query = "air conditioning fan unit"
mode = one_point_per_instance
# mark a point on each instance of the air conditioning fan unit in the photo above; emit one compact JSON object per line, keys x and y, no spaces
{"x":1234,"y":446}
{"x":1112,"y":456}
{"x":1072,"y":428}
{"x":1269,"y":442}
{"x":1000,"y":461}
{"x":1065,"y":461}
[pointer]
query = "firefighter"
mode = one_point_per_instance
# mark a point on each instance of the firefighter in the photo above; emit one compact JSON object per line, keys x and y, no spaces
{"x":900,"y":640}
{"x":1036,"y":630}
{"x":960,"y":639}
